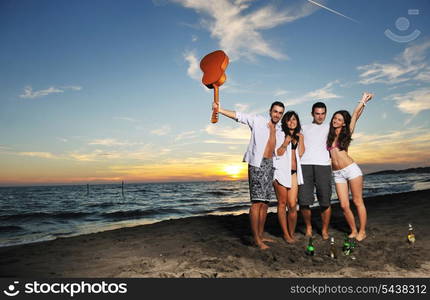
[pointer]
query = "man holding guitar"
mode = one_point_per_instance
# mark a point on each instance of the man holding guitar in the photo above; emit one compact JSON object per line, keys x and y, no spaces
{"x":260,"y":164}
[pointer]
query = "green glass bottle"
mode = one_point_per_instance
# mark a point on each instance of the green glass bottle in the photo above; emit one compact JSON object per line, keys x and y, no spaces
{"x":347,"y":247}
{"x":310,"y":249}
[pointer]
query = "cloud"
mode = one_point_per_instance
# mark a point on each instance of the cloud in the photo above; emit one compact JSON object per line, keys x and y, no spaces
{"x":241,"y":107}
{"x":126,"y":119}
{"x":238,"y":28}
{"x":280,"y":92}
{"x":323,"y":93}
{"x":109,"y":142}
{"x":238,"y":135}
{"x":411,"y":64}
{"x":95,"y":155}
{"x":413,"y":102}
{"x":30,"y":94}
{"x":165,"y":129}
{"x":193,"y":65}
{"x":186,"y":135}
{"x":147,"y":152}
{"x":38,"y":154}
{"x":72,"y":87}
{"x":406,"y":146}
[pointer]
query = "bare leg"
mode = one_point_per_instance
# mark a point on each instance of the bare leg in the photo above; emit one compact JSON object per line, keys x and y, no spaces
{"x":281,"y":195}
{"x":262,"y":222}
{"x":343,"y":195}
{"x":254,"y":215}
{"x":306,"y":212}
{"x":292,"y":206}
{"x":356,"y":185}
{"x":325,"y":217}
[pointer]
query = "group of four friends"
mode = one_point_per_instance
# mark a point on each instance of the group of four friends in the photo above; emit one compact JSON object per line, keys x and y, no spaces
{"x":294,"y":160}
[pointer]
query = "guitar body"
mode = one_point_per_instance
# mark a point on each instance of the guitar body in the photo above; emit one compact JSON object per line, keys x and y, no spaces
{"x":213,"y":66}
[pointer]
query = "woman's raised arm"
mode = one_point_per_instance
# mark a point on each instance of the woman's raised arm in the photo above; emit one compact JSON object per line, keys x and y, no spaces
{"x":359,"y":110}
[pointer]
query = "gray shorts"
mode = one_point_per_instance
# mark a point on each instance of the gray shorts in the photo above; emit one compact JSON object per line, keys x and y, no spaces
{"x":260,"y":181}
{"x":319,"y":177}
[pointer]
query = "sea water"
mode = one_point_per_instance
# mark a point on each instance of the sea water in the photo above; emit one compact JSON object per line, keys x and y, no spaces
{"x":32,"y":214}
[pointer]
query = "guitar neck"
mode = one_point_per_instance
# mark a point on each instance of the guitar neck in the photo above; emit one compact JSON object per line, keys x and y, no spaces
{"x":214,"y":117}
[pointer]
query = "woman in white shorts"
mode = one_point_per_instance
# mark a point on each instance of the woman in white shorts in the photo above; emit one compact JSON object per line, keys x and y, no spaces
{"x":345,"y":170}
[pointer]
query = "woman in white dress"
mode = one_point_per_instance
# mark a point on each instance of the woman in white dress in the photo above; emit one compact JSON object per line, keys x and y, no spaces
{"x":288,"y":172}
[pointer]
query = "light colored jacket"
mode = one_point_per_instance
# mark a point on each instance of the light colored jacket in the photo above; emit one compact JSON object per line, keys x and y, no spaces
{"x":259,"y":136}
{"x":282,"y":163}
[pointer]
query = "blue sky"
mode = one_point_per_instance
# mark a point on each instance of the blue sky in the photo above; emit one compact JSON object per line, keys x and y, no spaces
{"x":95,"y":91}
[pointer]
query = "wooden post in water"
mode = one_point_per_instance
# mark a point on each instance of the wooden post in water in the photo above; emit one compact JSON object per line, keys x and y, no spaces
{"x":122,"y":188}
{"x":88,"y":189}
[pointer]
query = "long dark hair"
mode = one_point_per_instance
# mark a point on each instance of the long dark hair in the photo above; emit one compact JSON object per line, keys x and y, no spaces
{"x":344,"y":138}
{"x":288,"y":115}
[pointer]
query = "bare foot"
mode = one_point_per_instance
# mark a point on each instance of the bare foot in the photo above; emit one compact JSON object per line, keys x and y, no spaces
{"x":268,"y":240}
{"x":263,"y":246}
{"x":308,"y":233}
{"x":361,"y":236}
{"x":289,"y":240}
{"x":325,"y":236}
{"x":352,"y":235}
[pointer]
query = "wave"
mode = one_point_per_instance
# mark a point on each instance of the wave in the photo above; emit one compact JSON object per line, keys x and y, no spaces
{"x":130,"y":214}
{"x":10,"y":228}
{"x":233,"y":208}
{"x":103,"y":204}
{"x":213,"y":193}
{"x":35,"y":215}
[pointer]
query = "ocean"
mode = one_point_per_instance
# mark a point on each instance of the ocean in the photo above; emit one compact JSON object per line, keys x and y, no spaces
{"x":40,"y":213}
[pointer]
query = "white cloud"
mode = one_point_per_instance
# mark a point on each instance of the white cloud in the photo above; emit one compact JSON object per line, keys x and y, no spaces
{"x":193,"y":65}
{"x":239,"y":32}
{"x":280,"y":92}
{"x":186,"y":135}
{"x":240,"y":134}
{"x":72,"y":87}
{"x":413,"y":102}
{"x":126,"y":119}
{"x":241,"y":107}
{"x":323,"y":93}
{"x":30,"y":94}
{"x":411,"y":64}
{"x":38,"y":154}
{"x":109,"y":142}
{"x":163,"y":130}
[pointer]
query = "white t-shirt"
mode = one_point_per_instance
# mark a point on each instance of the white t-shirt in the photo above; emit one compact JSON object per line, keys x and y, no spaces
{"x":316,"y":145}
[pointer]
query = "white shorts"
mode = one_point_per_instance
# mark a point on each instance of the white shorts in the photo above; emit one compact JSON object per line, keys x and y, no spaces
{"x":350,"y":172}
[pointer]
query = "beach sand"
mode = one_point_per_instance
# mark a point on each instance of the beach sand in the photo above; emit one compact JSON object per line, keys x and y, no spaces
{"x":220,"y":246}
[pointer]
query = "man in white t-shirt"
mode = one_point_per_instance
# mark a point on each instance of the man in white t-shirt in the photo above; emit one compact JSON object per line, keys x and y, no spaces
{"x":316,"y":168}
{"x":260,"y":163}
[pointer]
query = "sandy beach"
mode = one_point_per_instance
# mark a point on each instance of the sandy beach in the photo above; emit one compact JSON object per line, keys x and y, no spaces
{"x":220,"y":246}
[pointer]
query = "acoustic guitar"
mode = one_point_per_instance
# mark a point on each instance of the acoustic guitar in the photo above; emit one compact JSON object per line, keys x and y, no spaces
{"x":213,"y":66}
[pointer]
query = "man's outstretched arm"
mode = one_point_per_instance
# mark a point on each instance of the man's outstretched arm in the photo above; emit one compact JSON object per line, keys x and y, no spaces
{"x":228,"y":113}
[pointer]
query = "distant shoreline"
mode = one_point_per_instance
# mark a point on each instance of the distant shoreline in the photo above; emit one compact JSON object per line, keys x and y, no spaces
{"x":404,"y":171}
{"x":384,"y":172}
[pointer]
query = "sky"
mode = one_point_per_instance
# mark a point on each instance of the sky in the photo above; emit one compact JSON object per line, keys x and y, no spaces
{"x":107,"y":90}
